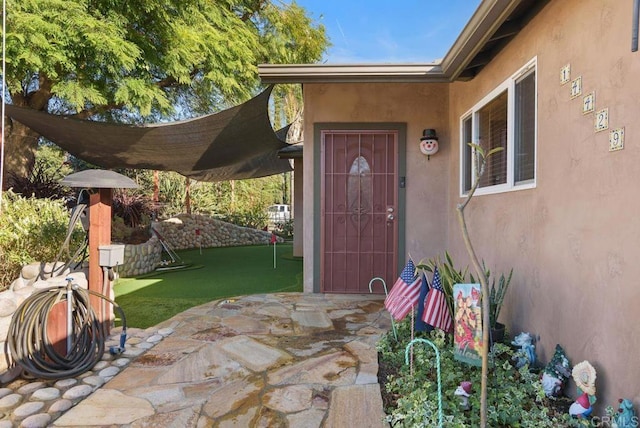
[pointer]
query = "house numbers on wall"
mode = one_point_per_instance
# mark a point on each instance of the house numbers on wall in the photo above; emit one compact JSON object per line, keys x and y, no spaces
{"x":601,"y":117}
{"x":576,"y":87}
{"x":589,"y":103}
{"x":616,"y":139}
{"x":602,"y":120}
{"x":565,"y":74}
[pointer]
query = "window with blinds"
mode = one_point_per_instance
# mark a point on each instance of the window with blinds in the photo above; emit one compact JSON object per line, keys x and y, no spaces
{"x":505,"y":118}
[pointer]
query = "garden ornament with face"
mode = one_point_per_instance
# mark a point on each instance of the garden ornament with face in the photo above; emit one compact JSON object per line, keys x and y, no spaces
{"x":464,"y":392}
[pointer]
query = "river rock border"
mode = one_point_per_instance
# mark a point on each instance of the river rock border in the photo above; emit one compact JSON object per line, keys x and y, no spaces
{"x":37,"y":403}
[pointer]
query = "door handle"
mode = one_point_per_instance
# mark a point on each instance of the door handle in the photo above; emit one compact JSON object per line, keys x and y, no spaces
{"x":390,"y":217}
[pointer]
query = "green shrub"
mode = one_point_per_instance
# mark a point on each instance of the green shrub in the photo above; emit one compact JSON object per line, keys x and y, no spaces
{"x":515,"y":399}
{"x":125,"y":234}
{"x":284,"y":229}
{"x":31,"y":230}
{"x":254,"y":217}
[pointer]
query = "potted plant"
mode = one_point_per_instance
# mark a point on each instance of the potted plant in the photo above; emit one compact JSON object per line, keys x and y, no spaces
{"x":496,"y":299}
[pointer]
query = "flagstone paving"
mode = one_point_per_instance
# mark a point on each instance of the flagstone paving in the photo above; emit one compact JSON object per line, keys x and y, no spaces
{"x":277,"y":360}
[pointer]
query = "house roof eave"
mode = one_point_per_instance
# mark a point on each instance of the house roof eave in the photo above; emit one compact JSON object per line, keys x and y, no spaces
{"x":484,"y":23}
{"x":350,"y":73}
{"x":492,"y":26}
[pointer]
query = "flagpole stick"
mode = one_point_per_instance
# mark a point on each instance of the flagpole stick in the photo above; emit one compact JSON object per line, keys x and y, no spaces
{"x":4,"y":87}
{"x":412,"y":324}
{"x":274,"y":255}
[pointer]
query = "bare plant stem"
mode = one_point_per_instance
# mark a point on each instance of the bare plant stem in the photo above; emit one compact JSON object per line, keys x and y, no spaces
{"x":484,"y":283}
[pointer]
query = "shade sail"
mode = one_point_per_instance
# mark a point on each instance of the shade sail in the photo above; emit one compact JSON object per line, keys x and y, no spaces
{"x":236,"y":143}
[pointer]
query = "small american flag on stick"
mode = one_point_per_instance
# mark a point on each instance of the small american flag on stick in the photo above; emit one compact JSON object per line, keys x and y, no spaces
{"x":404,"y":294}
{"x":436,"y":310}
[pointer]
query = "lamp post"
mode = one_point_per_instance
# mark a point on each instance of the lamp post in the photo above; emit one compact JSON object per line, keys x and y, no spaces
{"x":101,"y":184}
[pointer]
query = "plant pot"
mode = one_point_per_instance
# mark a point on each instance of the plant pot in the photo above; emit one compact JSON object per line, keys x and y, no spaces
{"x":497,"y":333}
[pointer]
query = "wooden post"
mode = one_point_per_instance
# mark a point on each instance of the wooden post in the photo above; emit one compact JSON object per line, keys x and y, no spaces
{"x":99,"y":234}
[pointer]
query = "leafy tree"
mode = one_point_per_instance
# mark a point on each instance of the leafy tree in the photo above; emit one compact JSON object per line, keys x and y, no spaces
{"x":143,"y":60}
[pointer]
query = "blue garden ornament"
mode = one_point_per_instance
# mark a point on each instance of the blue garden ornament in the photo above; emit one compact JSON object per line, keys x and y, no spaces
{"x":626,"y":416}
{"x":527,"y":352}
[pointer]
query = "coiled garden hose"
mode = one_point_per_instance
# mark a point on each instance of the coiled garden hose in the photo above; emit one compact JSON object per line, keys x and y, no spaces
{"x":29,"y":346}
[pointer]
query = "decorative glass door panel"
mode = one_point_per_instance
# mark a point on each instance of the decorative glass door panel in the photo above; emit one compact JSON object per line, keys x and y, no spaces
{"x":359,"y":202}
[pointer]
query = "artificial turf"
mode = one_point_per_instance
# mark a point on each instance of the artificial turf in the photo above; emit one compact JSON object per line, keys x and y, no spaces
{"x":217,"y":273}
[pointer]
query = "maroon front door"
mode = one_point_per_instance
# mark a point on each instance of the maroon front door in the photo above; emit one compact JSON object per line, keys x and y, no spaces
{"x":359,"y":227}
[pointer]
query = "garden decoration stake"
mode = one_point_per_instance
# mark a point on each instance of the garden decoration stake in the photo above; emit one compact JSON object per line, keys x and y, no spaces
{"x":481,"y":159}
{"x":274,"y":240}
{"x":435,"y":348}
{"x":384,"y":286}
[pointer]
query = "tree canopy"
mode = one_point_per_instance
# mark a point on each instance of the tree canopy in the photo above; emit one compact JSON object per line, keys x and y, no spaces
{"x":144,"y":60}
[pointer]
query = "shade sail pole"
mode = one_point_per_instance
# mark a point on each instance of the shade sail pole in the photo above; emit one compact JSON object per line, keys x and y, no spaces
{"x":4,"y":67}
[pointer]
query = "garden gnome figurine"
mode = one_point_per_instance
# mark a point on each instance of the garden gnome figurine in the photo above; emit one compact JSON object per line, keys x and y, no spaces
{"x":556,"y":373}
{"x":585,"y":377}
{"x":626,"y":416}
{"x":581,"y":408}
{"x":464,"y":392}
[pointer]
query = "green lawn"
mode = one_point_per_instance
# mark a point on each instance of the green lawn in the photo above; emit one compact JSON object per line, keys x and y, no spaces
{"x":216,"y":273}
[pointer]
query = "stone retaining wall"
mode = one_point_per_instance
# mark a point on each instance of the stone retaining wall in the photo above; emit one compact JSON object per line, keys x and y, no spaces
{"x":140,"y":259}
{"x":192,"y":231}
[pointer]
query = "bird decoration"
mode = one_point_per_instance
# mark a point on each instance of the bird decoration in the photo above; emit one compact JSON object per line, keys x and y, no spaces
{"x":626,"y":416}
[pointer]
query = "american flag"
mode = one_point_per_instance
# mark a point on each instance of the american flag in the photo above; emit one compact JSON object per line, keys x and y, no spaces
{"x":404,"y":294}
{"x":424,"y":289}
{"x":436,"y":310}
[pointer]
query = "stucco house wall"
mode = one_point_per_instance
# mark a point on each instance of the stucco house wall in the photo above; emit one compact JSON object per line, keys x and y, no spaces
{"x":419,"y":106}
{"x":573,"y":239}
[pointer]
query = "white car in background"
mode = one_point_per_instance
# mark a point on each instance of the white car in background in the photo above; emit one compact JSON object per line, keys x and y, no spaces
{"x":279,"y":213}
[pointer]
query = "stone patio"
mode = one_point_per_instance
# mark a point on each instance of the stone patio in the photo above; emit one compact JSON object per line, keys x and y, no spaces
{"x":277,"y":360}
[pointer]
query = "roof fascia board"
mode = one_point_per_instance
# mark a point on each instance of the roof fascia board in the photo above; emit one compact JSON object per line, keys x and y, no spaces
{"x":350,"y":73}
{"x":489,"y":16}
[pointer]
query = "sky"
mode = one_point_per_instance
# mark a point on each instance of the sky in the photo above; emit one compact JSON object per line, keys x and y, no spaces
{"x":388,"y":31}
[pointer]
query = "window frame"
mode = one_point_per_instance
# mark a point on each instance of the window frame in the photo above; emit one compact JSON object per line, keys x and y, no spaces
{"x":508,"y":85}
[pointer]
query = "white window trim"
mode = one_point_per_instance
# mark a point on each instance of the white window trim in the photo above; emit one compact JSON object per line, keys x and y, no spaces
{"x":508,"y":85}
